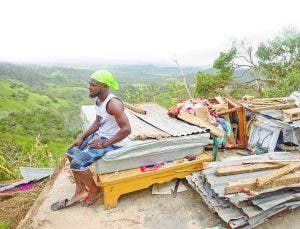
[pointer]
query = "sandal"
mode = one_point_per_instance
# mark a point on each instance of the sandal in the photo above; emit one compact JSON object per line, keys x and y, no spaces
{"x":62,"y":204}
{"x":88,"y":201}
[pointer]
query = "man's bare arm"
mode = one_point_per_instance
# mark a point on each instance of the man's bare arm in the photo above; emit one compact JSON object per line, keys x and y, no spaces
{"x":116,"y":108}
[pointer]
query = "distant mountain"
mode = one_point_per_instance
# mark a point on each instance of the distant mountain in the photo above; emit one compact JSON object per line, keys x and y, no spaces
{"x":39,"y":76}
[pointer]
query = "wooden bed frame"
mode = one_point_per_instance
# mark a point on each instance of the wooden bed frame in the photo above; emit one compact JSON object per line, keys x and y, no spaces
{"x":116,"y":184}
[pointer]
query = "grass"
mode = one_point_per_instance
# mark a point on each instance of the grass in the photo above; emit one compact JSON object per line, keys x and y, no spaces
{"x":15,"y":96}
{"x":4,"y":224}
{"x":18,"y":151}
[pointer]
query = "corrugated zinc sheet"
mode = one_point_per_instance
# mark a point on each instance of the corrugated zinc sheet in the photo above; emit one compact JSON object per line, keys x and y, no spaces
{"x":241,"y":210}
{"x":219,"y":182}
{"x":29,"y":174}
{"x":140,"y":129}
{"x":245,"y":216}
{"x":157,"y":116}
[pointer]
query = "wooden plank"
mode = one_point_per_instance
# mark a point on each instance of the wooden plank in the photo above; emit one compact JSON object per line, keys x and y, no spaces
{"x":220,"y":107}
{"x":270,"y":161}
{"x":265,"y":103}
{"x":134,"y":108}
{"x":268,"y":178}
{"x":248,"y":98}
{"x":250,"y":183}
{"x":220,"y":100}
{"x":291,"y":114}
{"x":116,"y":184}
{"x":280,"y":106}
{"x":230,"y":170}
{"x":283,"y":99}
{"x":199,"y":122}
{"x":292,"y":111}
{"x":203,"y":114}
{"x":112,"y":178}
{"x":6,"y":195}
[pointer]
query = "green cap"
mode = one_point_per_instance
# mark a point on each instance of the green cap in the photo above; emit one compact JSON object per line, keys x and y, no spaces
{"x":104,"y":76}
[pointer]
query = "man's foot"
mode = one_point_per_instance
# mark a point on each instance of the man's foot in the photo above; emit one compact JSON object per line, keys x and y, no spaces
{"x":62,"y":204}
{"x":91,"y":199}
{"x":67,"y":203}
{"x":78,"y":197}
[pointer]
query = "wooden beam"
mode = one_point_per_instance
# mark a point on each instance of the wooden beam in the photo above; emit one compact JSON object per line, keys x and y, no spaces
{"x":6,"y":195}
{"x":230,"y":170}
{"x":280,"y":106}
{"x":291,"y":114}
{"x":268,"y":178}
{"x":270,"y":161}
{"x":250,"y":183}
{"x":219,"y":99}
{"x":275,"y":99}
{"x":134,"y":108}
{"x":199,"y":122}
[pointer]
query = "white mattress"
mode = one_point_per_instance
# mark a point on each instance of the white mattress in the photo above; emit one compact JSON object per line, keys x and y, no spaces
{"x":147,"y":152}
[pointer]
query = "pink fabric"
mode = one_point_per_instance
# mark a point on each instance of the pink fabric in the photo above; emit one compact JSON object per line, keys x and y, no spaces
{"x":21,"y":187}
{"x":191,"y":104}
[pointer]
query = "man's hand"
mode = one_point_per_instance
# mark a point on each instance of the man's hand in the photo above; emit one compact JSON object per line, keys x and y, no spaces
{"x":99,"y":144}
{"x":76,"y":143}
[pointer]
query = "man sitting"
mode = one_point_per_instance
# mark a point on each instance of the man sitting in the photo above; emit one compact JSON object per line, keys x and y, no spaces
{"x":105,"y":134}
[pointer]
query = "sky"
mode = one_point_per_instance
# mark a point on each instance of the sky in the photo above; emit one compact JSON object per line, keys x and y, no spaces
{"x":136,"y":31}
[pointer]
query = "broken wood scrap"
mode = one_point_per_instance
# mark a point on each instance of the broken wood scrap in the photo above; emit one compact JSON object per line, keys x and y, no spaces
{"x":291,"y":114}
{"x":271,"y":107}
{"x":202,"y":113}
{"x":6,"y":195}
{"x":278,"y":99}
{"x":271,"y":161}
{"x":264,"y":103}
{"x":144,"y":136}
{"x":238,"y":169}
{"x":199,"y":122}
{"x":268,"y":178}
{"x":134,"y":108}
{"x":220,"y":100}
{"x":250,"y":183}
{"x":248,"y":98}
{"x":220,"y":107}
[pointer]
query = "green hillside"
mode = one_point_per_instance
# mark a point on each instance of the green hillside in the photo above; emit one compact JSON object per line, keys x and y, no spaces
{"x":40,"y":105}
{"x":16,"y":96}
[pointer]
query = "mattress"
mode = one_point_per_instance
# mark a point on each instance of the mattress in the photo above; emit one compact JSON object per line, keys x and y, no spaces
{"x":169,"y":143}
{"x":147,"y":152}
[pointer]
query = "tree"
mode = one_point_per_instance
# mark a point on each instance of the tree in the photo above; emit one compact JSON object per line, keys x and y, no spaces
{"x":273,"y":64}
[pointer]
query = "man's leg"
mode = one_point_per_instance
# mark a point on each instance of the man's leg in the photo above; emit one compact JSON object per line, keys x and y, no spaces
{"x":80,"y":189}
{"x":86,"y":178}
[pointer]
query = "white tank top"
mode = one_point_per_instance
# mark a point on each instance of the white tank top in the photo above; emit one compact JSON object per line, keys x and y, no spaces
{"x":108,"y":125}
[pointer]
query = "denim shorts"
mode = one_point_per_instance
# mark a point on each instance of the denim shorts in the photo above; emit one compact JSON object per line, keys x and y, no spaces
{"x":85,"y":155}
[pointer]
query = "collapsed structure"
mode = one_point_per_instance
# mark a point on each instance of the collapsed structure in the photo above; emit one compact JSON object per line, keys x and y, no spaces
{"x":244,"y":196}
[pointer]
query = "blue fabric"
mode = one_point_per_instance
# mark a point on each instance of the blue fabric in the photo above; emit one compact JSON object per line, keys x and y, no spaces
{"x":225,"y":125}
{"x":85,"y":155}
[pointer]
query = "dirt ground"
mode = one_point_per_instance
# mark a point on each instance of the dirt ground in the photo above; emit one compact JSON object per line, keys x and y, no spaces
{"x":149,"y":210}
{"x":14,"y":209}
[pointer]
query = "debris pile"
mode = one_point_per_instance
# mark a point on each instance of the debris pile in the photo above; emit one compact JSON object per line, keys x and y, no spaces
{"x":246,"y":192}
{"x":268,"y":103}
{"x":274,"y":122}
